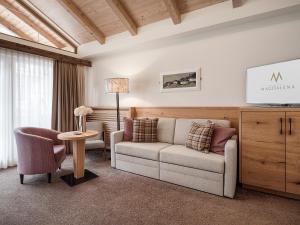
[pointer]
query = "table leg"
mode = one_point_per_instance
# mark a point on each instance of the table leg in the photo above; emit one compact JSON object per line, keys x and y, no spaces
{"x":78,"y":158}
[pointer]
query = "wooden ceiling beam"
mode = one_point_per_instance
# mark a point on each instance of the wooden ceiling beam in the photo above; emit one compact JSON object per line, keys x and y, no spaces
{"x":173,"y":11}
{"x":124,"y":17}
{"x":44,"y":53}
{"x":38,"y":16}
{"x":8,"y":5}
{"x":237,"y":3}
{"x":14,"y":29}
{"x":76,"y":12}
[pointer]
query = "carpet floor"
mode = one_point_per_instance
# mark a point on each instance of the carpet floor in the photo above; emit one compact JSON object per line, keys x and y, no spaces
{"x":121,"y":198}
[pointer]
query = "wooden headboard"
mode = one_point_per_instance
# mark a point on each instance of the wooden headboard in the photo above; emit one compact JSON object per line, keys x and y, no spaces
{"x":227,"y":113}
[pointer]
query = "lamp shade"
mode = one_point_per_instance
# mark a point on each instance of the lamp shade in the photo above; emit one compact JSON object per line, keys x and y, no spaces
{"x":117,"y":85}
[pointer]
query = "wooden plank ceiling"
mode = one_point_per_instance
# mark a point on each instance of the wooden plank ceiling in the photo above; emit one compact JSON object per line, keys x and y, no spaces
{"x":69,"y":23}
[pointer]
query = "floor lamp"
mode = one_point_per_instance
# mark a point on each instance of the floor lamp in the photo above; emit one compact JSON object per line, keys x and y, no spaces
{"x":117,"y":85}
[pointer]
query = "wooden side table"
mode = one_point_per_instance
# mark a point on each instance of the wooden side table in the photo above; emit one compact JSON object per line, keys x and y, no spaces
{"x":80,"y":175}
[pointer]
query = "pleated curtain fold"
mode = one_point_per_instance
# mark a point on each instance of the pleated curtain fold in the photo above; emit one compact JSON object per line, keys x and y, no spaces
{"x":68,"y":94}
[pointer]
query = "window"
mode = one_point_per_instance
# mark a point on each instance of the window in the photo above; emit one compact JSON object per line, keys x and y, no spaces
{"x":25,"y":97}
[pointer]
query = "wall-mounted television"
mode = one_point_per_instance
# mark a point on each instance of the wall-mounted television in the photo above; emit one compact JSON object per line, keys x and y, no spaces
{"x":274,"y":84}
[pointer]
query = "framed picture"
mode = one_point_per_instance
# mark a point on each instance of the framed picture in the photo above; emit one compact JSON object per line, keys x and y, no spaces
{"x":187,"y":80}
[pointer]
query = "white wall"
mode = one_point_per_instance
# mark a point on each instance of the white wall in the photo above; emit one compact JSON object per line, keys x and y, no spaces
{"x":223,"y":55}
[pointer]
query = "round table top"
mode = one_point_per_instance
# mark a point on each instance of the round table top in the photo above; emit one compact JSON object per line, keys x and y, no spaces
{"x":71,"y":136}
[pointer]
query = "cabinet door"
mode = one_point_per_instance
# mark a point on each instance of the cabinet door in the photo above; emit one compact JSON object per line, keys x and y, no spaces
{"x":263,"y":149}
{"x":293,"y":152}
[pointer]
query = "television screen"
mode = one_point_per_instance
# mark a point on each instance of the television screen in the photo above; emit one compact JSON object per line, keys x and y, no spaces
{"x":277,"y":83}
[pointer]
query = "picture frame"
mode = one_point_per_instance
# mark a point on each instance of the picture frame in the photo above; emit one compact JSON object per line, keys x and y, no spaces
{"x":183,"y":80}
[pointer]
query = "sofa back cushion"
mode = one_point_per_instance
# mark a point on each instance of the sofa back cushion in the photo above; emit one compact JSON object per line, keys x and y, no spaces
{"x":183,"y":126}
{"x":165,"y":130}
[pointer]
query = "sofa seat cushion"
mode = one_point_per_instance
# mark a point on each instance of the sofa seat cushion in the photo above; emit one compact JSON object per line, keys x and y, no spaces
{"x":141,"y":150}
{"x":183,"y":156}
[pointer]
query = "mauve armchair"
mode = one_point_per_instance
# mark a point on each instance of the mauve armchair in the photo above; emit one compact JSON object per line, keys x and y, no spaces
{"x":39,"y":151}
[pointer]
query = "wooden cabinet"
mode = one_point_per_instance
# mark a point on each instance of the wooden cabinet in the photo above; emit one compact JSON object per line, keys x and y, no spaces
{"x":293,"y":152}
{"x":270,"y":149}
{"x":263,"y":147}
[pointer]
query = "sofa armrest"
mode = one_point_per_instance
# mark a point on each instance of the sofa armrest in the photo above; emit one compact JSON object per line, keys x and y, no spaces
{"x":230,"y":175}
{"x":115,"y":137}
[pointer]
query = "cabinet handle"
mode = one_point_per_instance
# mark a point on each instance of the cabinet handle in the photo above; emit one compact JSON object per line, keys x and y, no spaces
{"x":290,"y":122}
{"x":281,"y":132}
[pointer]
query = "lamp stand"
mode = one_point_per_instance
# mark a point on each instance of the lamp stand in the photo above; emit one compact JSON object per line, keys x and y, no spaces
{"x":118,"y":111}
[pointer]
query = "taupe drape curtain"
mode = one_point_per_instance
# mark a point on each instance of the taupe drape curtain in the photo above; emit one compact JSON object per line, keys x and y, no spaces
{"x":68,"y":94}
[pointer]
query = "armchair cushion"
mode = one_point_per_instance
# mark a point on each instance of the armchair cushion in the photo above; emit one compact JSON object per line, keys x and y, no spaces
{"x":94,"y":144}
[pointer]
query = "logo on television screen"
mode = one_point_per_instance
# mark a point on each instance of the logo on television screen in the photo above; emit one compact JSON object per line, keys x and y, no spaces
{"x":276,"y":77}
{"x":279,"y":86}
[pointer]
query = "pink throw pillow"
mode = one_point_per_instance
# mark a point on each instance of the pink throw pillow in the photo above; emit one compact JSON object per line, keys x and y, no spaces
{"x":128,"y":129}
{"x":220,"y":137}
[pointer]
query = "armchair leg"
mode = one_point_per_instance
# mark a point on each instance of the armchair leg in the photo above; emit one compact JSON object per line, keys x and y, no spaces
{"x":21,"y":178}
{"x":49,"y":178}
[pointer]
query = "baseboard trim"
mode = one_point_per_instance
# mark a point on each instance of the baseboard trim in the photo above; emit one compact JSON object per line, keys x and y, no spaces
{"x":272,"y":192}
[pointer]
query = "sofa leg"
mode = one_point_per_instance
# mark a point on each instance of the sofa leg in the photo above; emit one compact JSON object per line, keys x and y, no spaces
{"x":105,"y":156}
{"x":21,"y":178}
{"x":59,"y":167}
{"x":49,"y":178}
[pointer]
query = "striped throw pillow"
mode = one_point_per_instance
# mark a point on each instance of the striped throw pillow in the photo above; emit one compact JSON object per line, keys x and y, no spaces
{"x":199,"y":137}
{"x":145,"y":130}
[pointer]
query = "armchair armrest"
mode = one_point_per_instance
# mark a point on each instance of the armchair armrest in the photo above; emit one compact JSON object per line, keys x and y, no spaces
{"x":115,"y":137}
{"x":230,"y":174}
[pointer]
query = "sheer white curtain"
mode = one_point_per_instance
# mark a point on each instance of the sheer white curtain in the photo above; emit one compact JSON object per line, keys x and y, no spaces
{"x":25,"y":97}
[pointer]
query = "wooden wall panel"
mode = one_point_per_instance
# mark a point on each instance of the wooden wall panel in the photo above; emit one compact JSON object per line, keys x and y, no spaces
{"x":108,"y":115}
{"x":227,"y":113}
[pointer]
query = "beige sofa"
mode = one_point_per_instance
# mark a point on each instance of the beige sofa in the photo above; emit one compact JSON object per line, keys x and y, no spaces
{"x":169,"y":160}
